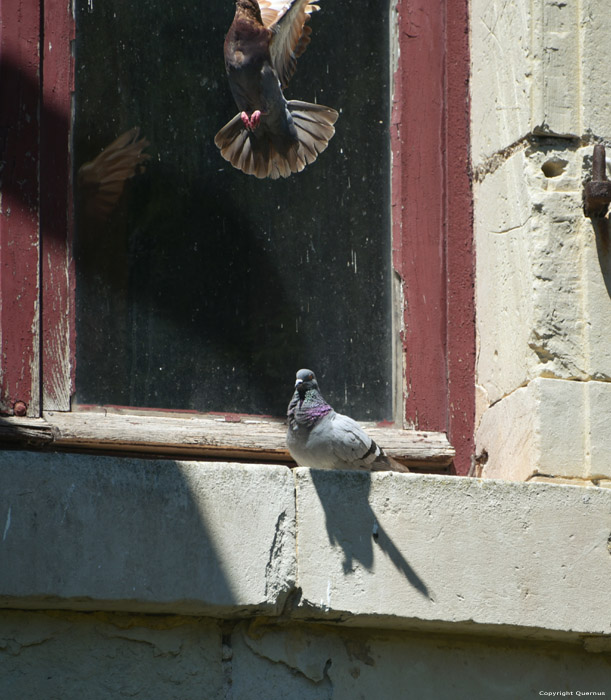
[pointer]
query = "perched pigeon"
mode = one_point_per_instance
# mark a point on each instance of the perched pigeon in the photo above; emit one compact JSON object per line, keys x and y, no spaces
{"x":321,"y":438}
{"x":271,"y":137}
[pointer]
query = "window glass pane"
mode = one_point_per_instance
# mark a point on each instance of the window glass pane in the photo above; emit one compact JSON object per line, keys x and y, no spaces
{"x":199,"y":287}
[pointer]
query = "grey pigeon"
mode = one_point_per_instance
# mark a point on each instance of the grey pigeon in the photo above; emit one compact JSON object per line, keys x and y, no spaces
{"x":271,"y":137}
{"x":319,"y":437}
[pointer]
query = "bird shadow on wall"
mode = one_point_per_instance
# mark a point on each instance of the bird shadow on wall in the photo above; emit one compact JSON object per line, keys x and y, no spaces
{"x":352,"y":524}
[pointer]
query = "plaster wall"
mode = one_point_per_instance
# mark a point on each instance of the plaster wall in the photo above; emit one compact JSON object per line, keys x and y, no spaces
{"x":164,"y":579}
{"x":69,"y":656}
{"x":540,"y":101}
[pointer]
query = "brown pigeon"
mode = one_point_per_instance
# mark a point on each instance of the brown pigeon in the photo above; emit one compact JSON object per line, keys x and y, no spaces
{"x":271,"y":137}
{"x":101,"y":181}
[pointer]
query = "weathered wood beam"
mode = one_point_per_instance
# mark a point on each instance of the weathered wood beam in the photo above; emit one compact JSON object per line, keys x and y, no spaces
{"x":237,"y":437}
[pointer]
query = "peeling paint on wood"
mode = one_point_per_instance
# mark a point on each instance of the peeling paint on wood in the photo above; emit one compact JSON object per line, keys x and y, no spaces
{"x":56,"y":229}
{"x":418,"y":206}
{"x":431,"y":214}
{"x":19,"y":223}
{"x":25,"y":431}
{"x":459,"y":240}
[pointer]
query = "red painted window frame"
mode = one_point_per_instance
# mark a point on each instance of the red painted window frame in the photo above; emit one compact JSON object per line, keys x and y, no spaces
{"x":432,"y":210}
{"x":431,"y":213}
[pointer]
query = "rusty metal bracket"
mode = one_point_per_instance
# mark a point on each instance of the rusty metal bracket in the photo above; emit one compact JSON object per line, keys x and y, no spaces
{"x":597,"y":192}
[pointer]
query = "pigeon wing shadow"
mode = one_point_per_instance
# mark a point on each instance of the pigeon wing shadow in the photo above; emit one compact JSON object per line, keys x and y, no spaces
{"x":352,"y":524}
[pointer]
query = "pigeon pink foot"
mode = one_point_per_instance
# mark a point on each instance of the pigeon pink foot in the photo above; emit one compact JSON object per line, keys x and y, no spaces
{"x":252,"y":122}
{"x":255,"y":118}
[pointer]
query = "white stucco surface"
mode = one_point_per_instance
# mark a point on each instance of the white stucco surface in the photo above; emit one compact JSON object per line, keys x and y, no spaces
{"x":69,"y":656}
{"x":104,"y":533}
{"x":386,"y":550}
{"x":415,"y":549}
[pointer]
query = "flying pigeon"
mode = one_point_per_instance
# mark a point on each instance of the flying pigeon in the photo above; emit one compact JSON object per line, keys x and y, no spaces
{"x":271,"y":137}
{"x":102,"y":180}
{"x":319,"y":437}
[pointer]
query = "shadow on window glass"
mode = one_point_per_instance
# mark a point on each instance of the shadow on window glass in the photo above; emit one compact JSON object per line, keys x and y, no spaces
{"x":199,"y":287}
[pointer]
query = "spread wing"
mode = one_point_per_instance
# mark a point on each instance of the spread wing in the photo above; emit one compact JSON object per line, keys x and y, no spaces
{"x":288,"y":21}
{"x":101,"y":181}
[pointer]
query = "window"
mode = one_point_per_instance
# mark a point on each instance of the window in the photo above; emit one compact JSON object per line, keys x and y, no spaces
{"x":205,"y":289}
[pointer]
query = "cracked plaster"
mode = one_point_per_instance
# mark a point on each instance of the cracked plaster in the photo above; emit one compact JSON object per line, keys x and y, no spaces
{"x":68,"y":656}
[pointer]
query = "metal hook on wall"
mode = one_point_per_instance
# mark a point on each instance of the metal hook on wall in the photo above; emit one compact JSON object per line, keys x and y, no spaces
{"x":597,"y":192}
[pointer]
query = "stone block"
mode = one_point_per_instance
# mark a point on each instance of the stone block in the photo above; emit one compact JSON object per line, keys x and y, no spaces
{"x":537,"y":68}
{"x":405,"y":550}
{"x":556,"y":67}
{"x":595,"y":39}
{"x":101,"y":533}
{"x":501,"y":75}
{"x":504,"y":279}
{"x":529,"y":289}
{"x":550,"y":427}
{"x":543,"y":279}
{"x":596,"y":427}
{"x":508,"y":437}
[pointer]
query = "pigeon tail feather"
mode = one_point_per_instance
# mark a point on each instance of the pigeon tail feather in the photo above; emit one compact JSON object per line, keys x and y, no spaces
{"x":386,"y":463}
{"x":314,"y":124}
{"x":264,"y":155}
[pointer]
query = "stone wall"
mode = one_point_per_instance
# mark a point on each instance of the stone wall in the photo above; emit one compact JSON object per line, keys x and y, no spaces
{"x":165,"y":579}
{"x":540,"y":101}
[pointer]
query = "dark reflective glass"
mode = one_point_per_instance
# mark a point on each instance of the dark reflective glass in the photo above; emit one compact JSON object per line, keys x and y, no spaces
{"x":199,"y":287}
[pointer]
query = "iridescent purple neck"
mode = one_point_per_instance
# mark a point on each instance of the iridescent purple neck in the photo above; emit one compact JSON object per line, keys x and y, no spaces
{"x":307,"y":411}
{"x":316,"y":411}
{"x":312,"y":409}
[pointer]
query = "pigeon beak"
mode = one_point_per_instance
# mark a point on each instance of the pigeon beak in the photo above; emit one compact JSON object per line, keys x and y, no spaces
{"x":298,"y":382}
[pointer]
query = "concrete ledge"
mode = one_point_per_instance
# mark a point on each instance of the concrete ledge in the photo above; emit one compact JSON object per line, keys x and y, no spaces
{"x":387,"y":550}
{"x":104,"y":533}
{"x":454,"y":553}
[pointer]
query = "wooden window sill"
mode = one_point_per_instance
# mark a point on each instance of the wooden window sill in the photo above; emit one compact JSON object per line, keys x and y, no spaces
{"x":202,"y":436}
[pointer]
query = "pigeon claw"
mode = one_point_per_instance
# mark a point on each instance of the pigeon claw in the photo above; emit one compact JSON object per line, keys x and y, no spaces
{"x":245,"y":120}
{"x":251,"y":122}
{"x":255,"y":118}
